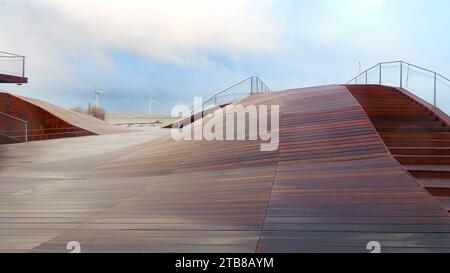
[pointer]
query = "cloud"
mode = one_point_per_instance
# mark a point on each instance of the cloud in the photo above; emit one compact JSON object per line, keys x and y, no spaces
{"x":175,"y":31}
{"x":180,"y":48}
{"x":71,"y":43}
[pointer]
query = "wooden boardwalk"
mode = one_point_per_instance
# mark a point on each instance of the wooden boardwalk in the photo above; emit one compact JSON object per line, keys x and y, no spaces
{"x":416,"y":134}
{"x":331,"y":187}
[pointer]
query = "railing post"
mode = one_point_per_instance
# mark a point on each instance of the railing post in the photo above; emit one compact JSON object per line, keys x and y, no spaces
{"x":435,"y":90}
{"x":251,"y":85}
{"x":380,"y":73}
{"x":407,"y":78}
{"x":26,"y":131}
{"x":401,"y":74}
{"x":23,"y":67}
{"x":366,"y":77}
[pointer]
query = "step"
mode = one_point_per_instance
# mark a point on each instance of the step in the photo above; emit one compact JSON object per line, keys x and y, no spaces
{"x":439,"y":191}
{"x":417,"y":118}
{"x":393,"y":104}
{"x":397,"y":110}
{"x":427,"y":126}
{"x":428,"y":171}
{"x":413,"y":130}
{"x":408,"y":123}
{"x":423,"y":159}
{"x":424,"y":167}
{"x":434,"y":182}
{"x":406,"y":143}
{"x":420,"y":151}
{"x":377,"y":114}
{"x":425,"y":136}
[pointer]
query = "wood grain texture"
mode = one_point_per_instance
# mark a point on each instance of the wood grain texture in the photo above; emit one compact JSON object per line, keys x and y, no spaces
{"x":45,"y":121}
{"x":332,"y":186}
{"x":416,"y":133}
{"x":337,"y":188}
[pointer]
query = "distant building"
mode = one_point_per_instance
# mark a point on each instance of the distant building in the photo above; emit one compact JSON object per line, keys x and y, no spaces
{"x":140,"y":120}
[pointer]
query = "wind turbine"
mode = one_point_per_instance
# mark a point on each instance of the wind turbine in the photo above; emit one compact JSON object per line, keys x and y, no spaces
{"x":98,"y":92}
{"x":150,"y":102}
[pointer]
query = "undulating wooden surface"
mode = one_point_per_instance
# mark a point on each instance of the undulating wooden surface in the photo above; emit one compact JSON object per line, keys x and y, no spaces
{"x":42,"y":125}
{"x":331,"y":187}
{"x":45,"y":121}
{"x":85,"y":122}
{"x":336,"y":187}
{"x":414,"y":134}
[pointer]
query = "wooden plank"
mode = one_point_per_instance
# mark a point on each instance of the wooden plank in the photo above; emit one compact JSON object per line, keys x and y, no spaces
{"x":356,"y":186}
{"x":420,"y":141}
{"x":331,"y":186}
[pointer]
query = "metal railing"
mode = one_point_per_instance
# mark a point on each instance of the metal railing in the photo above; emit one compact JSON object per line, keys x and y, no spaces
{"x":251,"y":85}
{"x":7,"y":133}
{"x":12,"y":64}
{"x":424,"y":83}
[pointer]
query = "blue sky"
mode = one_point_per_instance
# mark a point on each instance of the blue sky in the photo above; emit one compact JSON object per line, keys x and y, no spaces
{"x":174,"y":50}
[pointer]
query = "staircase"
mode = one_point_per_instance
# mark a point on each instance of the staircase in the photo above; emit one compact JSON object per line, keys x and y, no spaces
{"x":414,"y":135}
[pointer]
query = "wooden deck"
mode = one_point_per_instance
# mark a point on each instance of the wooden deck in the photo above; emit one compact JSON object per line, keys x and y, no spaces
{"x":331,"y":187}
{"x":416,"y":134}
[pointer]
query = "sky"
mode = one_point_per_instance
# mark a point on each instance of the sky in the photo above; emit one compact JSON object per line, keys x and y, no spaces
{"x":173,"y":50}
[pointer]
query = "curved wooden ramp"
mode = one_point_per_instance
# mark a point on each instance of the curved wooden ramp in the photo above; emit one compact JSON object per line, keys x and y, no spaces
{"x":88,"y":123}
{"x":331,"y":187}
{"x":337,"y":188}
{"x":45,"y":121}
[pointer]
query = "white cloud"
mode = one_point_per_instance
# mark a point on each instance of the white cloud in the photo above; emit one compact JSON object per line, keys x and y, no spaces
{"x":56,"y":35}
{"x":175,"y":31}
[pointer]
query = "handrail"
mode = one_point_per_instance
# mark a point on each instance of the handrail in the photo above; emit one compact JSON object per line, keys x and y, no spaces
{"x":435,"y":76}
{"x":15,"y":56}
{"x":9,"y":53}
{"x":401,"y":62}
{"x":239,"y":83}
{"x":16,"y":118}
{"x":256,"y":86}
{"x":10,"y":137}
{"x":45,"y":129}
{"x":20,"y":120}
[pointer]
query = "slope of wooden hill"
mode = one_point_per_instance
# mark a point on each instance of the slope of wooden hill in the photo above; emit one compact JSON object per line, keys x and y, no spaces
{"x":416,"y":134}
{"x":41,"y":124}
{"x":337,"y":187}
{"x":45,"y":121}
{"x":85,"y":122}
{"x":331,"y":187}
